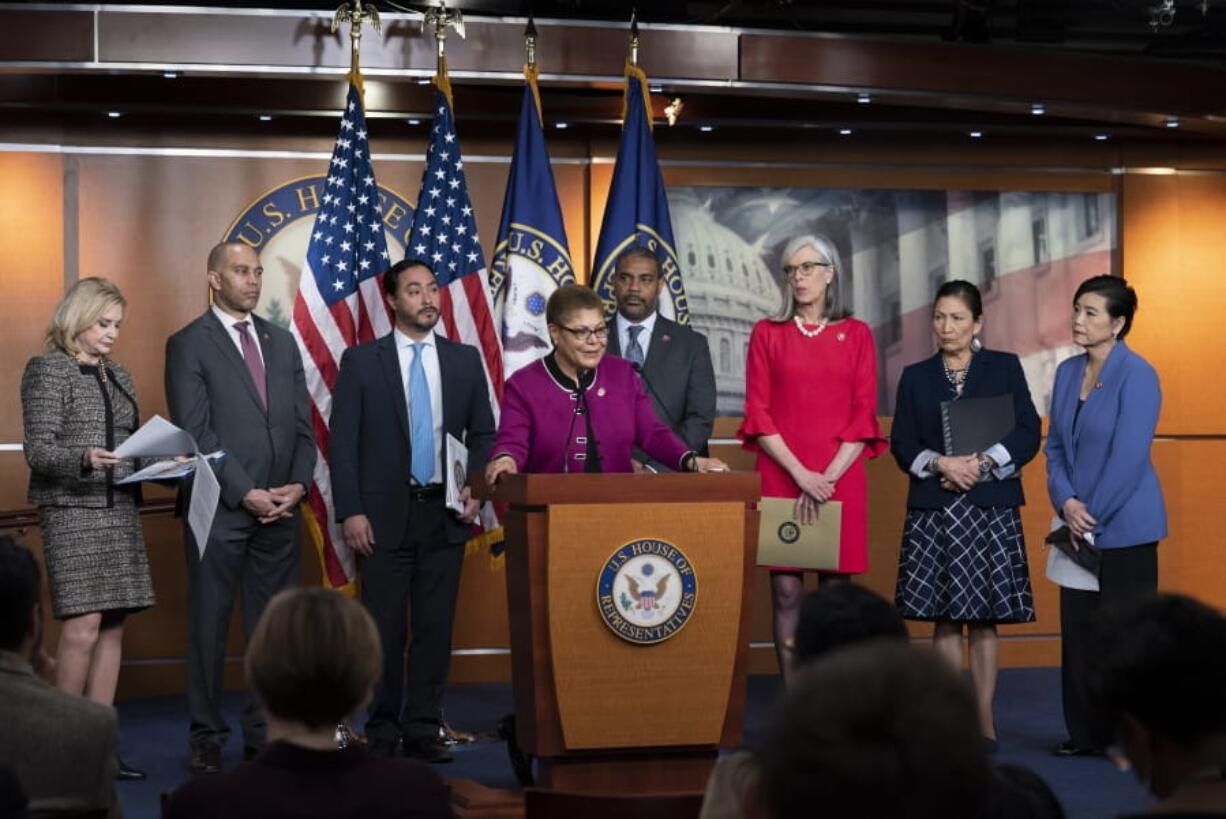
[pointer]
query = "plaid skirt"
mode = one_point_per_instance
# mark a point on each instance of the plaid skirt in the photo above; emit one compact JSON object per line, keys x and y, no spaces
{"x":964,"y":563}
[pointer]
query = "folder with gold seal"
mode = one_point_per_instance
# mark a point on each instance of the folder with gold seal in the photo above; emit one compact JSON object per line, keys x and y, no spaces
{"x":785,"y":541}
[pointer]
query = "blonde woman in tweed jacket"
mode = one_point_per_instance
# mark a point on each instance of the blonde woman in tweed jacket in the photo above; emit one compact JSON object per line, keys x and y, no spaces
{"x":77,"y":407}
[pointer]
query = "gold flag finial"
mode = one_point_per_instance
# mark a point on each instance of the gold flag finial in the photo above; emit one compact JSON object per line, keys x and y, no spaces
{"x":530,"y":41}
{"x":441,"y":18}
{"x":355,"y":14}
{"x":634,"y":37}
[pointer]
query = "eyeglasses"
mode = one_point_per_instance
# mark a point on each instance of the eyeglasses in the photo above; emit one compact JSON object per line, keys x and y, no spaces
{"x":803,"y":270}
{"x":586,"y":334}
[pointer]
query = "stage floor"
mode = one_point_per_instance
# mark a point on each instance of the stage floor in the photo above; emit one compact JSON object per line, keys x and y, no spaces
{"x":154,"y":738}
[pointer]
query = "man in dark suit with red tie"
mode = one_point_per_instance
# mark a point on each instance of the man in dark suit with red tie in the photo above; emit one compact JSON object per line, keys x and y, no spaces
{"x":674,"y":361}
{"x":395,"y":401}
{"x":236,"y":383}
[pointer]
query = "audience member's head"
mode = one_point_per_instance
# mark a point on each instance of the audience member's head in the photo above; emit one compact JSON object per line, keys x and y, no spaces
{"x":843,"y":614}
{"x":19,"y":590}
{"x":314,"y":657}
{"x":879,"y":729}
{"x":1157,"y":674}
{"x":1016,"y":792}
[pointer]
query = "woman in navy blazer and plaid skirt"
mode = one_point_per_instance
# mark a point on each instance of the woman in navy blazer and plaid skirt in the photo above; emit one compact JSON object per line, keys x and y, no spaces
{"x":963,"y":560}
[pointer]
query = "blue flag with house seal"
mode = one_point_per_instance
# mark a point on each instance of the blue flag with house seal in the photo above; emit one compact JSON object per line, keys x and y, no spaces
{"x":637,"y":210}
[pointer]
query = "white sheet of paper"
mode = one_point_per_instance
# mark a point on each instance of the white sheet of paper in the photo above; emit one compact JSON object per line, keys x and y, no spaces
{"x":166,"y":470}
{"x":206,"y":492}
{"x":157,"y":438}
{"x":457,"y":472}
{"x":1064,"y":571}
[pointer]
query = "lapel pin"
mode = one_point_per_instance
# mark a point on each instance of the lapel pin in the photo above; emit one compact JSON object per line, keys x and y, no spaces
{"x":1098,"y":386}
{"x":842,"y":336}
{"x":600,"y":393}
{"x":666,"y":337}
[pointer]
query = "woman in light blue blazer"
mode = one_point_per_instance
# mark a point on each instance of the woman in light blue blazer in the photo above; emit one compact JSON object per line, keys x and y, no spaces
{"x":1104,"y":411}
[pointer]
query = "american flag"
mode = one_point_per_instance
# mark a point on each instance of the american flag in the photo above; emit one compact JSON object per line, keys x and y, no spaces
{"x":339,"y":304}
{"x":445,"y":235}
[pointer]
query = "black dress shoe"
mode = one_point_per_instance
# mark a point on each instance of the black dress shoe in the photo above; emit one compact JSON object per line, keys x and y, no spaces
{"x":126,"y":771}
{"x":1069,"y":748}
{"x":205,"y":759}
{"x":427,"y":749}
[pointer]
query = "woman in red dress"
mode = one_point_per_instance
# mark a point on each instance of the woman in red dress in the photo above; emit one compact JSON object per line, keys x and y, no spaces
{"x":811,"y":415}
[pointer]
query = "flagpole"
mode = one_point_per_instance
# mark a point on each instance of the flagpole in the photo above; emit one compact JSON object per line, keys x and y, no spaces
{"x":355,"y":14}
{"x":531,"y":72}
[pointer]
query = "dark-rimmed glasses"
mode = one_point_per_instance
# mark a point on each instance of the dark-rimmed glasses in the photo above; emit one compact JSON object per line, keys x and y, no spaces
{"x":803,"y":270}
{"x":586,"y":334}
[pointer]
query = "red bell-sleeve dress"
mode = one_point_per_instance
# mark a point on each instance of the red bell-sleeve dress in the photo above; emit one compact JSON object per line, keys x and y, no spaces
{"x":816,"y":393}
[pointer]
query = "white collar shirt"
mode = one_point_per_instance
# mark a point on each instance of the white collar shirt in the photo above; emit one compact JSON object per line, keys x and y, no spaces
{"x":228,"y":321}
{"x":434,"y":380}
{"x":623,"y":333}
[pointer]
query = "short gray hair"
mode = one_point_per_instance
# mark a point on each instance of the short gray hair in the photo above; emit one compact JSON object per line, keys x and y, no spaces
{"x":833,"y":309}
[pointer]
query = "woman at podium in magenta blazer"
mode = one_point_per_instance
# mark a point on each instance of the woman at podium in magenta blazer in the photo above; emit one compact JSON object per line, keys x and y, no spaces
{"x":811,"y":414}
{"x":576,"y":410}
{"x":1104,"y":411}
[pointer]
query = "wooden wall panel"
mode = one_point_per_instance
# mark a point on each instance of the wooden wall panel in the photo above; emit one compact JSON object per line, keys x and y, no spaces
{"x":31,"y":282}
{"x":1173,"y":246}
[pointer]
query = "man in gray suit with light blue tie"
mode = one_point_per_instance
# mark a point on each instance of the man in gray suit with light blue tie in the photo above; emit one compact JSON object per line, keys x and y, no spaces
{"x":673,"y":361}
{"x":236,"y":383}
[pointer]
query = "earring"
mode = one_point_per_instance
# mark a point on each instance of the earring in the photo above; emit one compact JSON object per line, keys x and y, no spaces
{"x":976,"y":344}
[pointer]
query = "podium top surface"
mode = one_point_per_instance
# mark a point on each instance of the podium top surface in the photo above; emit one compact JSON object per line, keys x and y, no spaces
{"x":673,"y":487}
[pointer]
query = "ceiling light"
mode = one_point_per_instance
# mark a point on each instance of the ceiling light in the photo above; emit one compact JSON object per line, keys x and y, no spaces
{"x":423,"y":80}
{"x":114,"y":114}
{"x":1038,"y":109}
{"x":414,"y":121}
{"x":656,"y":89}
{"x":976,"y":134}
{"x":265,"y":117}
{"x":561,"y":126}
{"x":1101,"y":137}
{"x":1172,"y":122}
{"x":845,"y":131}
{"x":706,"y":129}
{"x":864,"y":98}
{"x":170,"y":75}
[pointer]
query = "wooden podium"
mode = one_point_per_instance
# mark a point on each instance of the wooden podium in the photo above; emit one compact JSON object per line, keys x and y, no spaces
{"x":608,"y":700}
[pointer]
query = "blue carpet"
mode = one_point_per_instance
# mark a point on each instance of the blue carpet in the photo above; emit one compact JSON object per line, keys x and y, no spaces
{"x":1028,"y":721}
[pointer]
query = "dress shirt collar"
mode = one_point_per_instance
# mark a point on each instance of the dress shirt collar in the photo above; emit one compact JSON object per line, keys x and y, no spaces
{"x":228,"y":321}
{"x":403,"y":342}
{"x":623,"y":329}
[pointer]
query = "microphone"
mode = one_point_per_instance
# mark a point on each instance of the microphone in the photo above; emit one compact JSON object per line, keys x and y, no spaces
{"x":593,"y":461}
{"x":668,"y":416}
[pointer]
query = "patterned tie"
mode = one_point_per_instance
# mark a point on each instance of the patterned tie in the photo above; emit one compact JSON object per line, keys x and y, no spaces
{"x":634,"y":352}
{"x":255,"y":365}
{"x":421,"y":418}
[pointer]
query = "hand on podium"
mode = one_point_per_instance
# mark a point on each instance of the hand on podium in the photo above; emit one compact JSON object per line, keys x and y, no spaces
{"x":710,"y":465}
{"x":495,"y":469}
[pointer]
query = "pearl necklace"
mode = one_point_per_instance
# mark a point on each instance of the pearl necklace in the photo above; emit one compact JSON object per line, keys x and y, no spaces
{"x":806,"y":332}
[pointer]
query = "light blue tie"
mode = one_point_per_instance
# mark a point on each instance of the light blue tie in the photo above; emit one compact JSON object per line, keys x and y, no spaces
{"x":634,"y":352}
{"x":421,"y":419}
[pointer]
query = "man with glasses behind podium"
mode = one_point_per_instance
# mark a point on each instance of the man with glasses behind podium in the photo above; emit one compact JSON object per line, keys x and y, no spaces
{"x":578,"y":410}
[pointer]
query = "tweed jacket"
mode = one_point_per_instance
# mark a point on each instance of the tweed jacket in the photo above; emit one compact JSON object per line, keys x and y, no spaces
{"x":65,"y":410}
{"x":62,"y":748}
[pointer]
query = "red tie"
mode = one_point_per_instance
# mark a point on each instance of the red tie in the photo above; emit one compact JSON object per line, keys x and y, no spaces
{"x":255,"y":366}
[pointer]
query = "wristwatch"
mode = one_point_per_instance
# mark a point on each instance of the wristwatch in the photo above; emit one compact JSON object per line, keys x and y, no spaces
{"x":985,"y":466}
